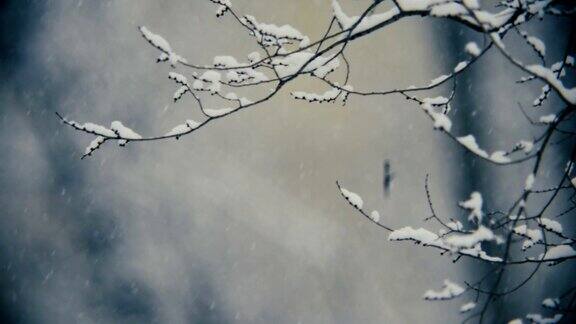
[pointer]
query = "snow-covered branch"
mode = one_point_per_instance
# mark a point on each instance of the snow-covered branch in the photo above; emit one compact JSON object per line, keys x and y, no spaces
{"x":283,"y":53}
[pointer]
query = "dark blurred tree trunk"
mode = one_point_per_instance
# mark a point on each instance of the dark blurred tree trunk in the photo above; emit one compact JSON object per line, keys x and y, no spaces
{"x":471,"y":116}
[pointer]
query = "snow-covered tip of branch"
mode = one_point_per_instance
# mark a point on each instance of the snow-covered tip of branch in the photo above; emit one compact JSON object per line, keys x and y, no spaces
{"x":182,"y":129}
{"x":179,"y":78}
{"x":474,"y":205}
{"x":549,"y":76}
{"x":536,"y":44}
{"x":450,"y":290}
{"x":116,"y":131}
{"x":162,"y":44}
{"x":186,"y":87}
{"x":559,"y":69}
{"x":90,"y":128}
{"x":469,"y":240}
{"x":543,"y":96}
{"x":224,"y":6}
{"x":180,"y":92}
{"x":353,"y":198}
{"x":222,"y":2}
{"x":539,"y":319}
{"x":94,"y":145}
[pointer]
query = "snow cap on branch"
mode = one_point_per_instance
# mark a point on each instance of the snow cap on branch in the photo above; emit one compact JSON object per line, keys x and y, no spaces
{"x":548,"y":119}
{"x":94,"y":145}
{"x":218,"y":112}
{"x":568,"y":94}
{"x":551,"y":225}
{"x":472,"y":49}
{"x":212,"y":78}
{"x":182,"y":129}
{"x":375,"y":216}
{"x":467,"y":307}
{"x":524,"y":145}
{"x":271,"y":34}
{"x":533,"y":235}
{"x":551,"y":303}
{"x":225,"y":61}
{"x":352,"y":197}
{"x":419,"y":235}
{"x":441,"y":121}
{"x":162,"y":44}
{"x":556,"y":253}
{"x":450,"y":290}
{"x":367,"y":22}
{"x":529,"y":182}
{"x":328,"y":96}
{"x":536,"y":44}
{"x":469,"y":142}
{"x":469,"y":240}
{"x":91,"y":128}
{"x":123,"y":131}
{"x":474,"y":205}
{"x":320,"y":66}
{"x":539,"y":319}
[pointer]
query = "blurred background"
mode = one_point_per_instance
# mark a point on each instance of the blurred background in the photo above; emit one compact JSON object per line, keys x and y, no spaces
{"x":240,"y":222}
